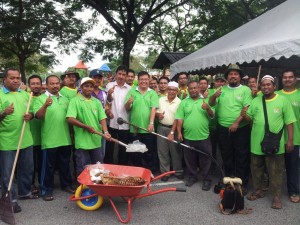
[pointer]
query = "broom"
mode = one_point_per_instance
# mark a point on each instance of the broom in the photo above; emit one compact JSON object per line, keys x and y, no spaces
{"x":6,"y":206}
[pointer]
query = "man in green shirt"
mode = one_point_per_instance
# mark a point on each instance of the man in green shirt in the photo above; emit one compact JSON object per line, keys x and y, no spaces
{"x":142,"y":103}
{"x":70,"y":90}
{"x":233,"y":132}
{"x":51,"y":109}
{"x":86,"y":114}
{"x":280,"y":113}
{"x":183,"y":87}
{"x":289,"y":91}
{"x":35,"y":85}
{"x":193,"y":114}
{"x":13,"y":104}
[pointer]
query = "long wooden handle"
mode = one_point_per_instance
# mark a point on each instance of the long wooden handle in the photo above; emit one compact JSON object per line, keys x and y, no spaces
{"x":258,"y":76}
{"x":19,"y":146}
{"x":112,"y":139}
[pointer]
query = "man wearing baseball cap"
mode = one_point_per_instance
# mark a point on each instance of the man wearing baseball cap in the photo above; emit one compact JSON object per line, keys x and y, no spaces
{"x":86,"y":114}
{"x":70,"y":90}
{"x":233,"y":132}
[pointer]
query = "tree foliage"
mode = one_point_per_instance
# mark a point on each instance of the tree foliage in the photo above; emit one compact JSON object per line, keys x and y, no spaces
{"x":26,"y":25}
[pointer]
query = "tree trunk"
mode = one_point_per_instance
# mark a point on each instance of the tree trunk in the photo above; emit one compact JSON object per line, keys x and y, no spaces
{"x":129,"y":43}
{"x":22,"y":60}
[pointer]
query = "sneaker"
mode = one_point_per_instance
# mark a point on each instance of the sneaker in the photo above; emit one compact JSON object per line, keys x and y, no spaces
{"x":190,"y":182}
{"x":206,"y":185}
{"x":16,"y":207}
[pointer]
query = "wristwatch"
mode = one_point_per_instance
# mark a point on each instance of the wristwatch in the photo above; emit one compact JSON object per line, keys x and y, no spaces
{"x":172,"y":132}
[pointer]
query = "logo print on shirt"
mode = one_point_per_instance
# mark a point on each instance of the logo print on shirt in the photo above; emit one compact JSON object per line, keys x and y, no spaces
{"x":276,"y":110}
{"x":295,"y":103}
{"x":239,"y":97}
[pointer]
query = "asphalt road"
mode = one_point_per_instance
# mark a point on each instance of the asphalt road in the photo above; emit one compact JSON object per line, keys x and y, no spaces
{"x":192,"y":207}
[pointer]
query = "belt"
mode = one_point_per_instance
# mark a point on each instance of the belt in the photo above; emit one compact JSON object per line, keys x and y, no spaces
{"x":169,"y":126}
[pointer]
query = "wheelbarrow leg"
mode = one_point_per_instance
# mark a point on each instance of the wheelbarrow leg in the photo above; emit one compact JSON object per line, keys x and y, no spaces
{"x":129,"y":201}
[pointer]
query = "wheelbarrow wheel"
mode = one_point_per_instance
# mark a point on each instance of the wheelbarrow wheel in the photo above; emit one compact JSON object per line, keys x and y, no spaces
{"x":89,"y":204}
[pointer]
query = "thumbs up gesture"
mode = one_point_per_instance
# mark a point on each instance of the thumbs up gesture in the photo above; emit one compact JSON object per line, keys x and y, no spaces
{"x":111,"y":91}
{"x":205,"y":94}
{"x":48,"y":101}
{"x":10,"y":109}
{"x":218,"y":92}
{"x":130,"y":100}
{"x":204,"y":105}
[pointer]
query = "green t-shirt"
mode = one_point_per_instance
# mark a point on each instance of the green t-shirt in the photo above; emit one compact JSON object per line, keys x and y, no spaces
{"x":195,"y":119}
{"x":294,"y":98}
{"x":231,"y":102}
{"x":35,"y":126}
{"x":280,"y":113}
{"x":89,"y":112}
{"x":55,"y":129}
{"x":11,"y":125}
{"x":141,"y":108}
{"x":69,"y":93}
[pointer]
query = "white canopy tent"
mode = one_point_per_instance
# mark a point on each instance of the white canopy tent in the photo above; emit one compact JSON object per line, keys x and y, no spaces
{"x":272,"y":39}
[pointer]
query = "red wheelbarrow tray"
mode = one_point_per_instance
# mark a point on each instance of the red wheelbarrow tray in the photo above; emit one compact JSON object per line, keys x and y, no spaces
{"x":128,"y":193}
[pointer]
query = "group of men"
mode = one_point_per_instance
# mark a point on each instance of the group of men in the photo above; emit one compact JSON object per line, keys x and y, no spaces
{"x":66,"y":119}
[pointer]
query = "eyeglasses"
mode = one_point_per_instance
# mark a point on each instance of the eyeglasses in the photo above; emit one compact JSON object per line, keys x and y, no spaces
{"x":144,"y":79}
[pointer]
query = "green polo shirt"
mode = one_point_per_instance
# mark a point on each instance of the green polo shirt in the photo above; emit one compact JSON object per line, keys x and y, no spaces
{"x":195,"y":119}
{"x":35,"y":126}
{"x":280,"y":113}
{"x":11,"y":125}
{"x":231,"y":102}
{"x":141,"y":108}
{"x":69,"y":93}
{"x":55,"y":128}
{"x":89,"y":112}
{"x":294,"y":99}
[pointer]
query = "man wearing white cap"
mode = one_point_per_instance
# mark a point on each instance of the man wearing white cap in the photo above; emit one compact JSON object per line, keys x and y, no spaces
{"x":168,"y":151}
{"x":279,"y":115}
{"x":86,"y":114}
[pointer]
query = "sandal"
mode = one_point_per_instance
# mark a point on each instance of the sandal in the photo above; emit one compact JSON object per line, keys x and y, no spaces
{"x":276,"y":203}
{"x":255,"y":195}
{"x":29,"y":197}
{"x":295,"y":198}
{"x":48,"y":197}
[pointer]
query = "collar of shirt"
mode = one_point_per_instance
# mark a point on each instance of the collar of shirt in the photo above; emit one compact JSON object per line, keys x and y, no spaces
{"x":234,"y":87}
{"x":5,"y":90}
{"x":49,"y":94}
{"x":173,"y":101}
{"x":137,"y":89}
{"x":124,"y":86}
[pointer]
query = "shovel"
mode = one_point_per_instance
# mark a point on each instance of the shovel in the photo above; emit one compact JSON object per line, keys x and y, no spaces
{"x":6,"y":206}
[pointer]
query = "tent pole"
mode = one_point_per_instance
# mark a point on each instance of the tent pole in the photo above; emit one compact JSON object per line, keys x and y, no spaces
{"x":258,"y":75}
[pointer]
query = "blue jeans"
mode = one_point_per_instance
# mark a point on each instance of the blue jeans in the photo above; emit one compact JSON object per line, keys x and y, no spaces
{"x":24,"y":171}
{"x":292,"y":171}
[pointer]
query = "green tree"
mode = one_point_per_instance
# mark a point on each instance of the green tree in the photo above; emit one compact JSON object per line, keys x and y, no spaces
{"x":126,"y":19}
{"x":26,"y":25}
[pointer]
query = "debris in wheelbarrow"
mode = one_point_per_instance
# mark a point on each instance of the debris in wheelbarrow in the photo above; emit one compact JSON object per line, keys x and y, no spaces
{"x":88,"y":195}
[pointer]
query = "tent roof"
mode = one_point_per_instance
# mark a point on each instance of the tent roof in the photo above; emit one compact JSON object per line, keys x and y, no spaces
{"x":105,"y":68}
{"x":273,"y":35}
{"x":80,"y":65}
{"x":167,"y":58}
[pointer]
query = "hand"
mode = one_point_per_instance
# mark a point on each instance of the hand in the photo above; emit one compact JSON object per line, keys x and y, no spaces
{"x":109,"y":113}
{"x":111,"y":91}
{"x":10,"y":109}
{"x":204,"y":105}
{"x":171,"y":137}
{"x":150,"y":128}
{"x":184,"y":95}
{"x":48,"y":101}
{"x":107,"y":136}
{"x":28,"y":116}
{"x":179,"y":137}
{"x":161,"y":115}
{"x":130,"y":100}
{"x":90,"y":129}
{"x":289,"y":147}
{"x":205,"y":94}
{"x":218,"y":92}
{"x":233,"y":127}
{"x":254,"y":92}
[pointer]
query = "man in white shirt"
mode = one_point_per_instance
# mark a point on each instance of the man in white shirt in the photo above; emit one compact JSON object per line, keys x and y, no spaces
{"x":116,"y":93}
{"x":167,"y":151}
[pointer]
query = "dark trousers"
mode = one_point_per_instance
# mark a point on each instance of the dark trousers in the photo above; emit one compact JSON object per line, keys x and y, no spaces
{"x":63,"y":155}
{"x":37,"y":160}
{"x":123,"y":136}
{"x":148,"y":159}
{"x":193,"y":158}
{"x":292,"y":171}
{"x":85,"y":157}
{"x":235,"y":151}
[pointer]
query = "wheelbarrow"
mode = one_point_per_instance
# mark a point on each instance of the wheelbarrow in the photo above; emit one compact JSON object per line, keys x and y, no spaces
{"x":89,"y":196}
